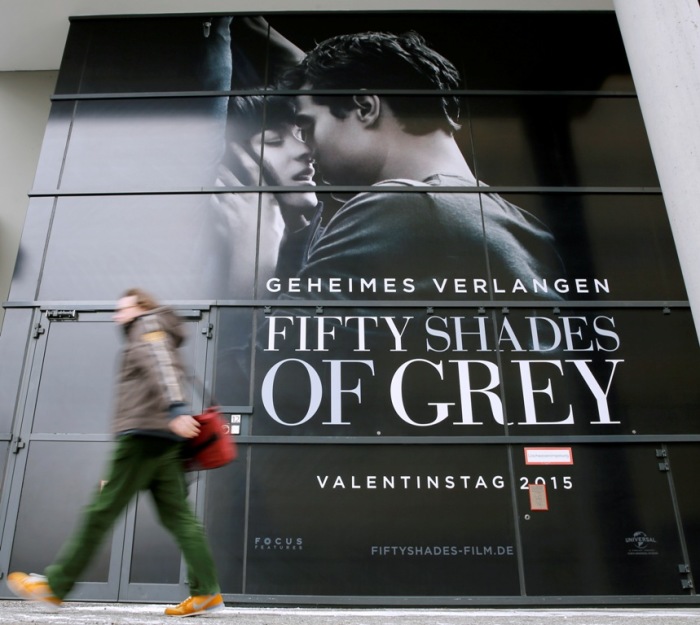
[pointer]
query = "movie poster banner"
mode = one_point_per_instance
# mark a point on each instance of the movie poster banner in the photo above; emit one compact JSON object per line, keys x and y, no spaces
{"x":440,"y":280}
{"x":373,"y":520}
{"x":440,"y":520}
{"x":468,"y":372}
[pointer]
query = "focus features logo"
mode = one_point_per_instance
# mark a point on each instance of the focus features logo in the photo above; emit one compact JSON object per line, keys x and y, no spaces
{"x":278,"y":543}
{"x":641,"y":544}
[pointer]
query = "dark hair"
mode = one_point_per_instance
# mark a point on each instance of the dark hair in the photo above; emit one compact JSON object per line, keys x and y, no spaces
{"x":376,"y":60}
{"x":248,"y":115}
{"x":144,"y":300}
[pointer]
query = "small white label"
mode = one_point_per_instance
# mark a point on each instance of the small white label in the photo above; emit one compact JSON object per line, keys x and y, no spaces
{"x":235,"y":427}
{"x":549,"y":455}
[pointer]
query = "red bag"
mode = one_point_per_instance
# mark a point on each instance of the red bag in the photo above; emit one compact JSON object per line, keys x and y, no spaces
{"x":213,"y":447}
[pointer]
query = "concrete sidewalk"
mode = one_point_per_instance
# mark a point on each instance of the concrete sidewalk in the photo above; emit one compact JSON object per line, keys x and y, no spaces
{"x":75,"y":613}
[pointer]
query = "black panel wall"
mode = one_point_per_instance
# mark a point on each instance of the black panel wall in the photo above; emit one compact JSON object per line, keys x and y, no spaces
{"x":422,"y":418}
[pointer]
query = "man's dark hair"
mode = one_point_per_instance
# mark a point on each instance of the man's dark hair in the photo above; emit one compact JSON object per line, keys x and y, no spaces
{"x":248,"y":115}
{"x":376,"y":60}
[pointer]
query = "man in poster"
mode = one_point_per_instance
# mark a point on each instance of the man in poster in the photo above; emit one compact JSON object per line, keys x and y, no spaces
{"x":397,"y":244}
{"x":411,"y":243}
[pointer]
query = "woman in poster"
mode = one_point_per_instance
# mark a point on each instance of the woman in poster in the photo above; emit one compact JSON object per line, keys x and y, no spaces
{"x":263,"y":147}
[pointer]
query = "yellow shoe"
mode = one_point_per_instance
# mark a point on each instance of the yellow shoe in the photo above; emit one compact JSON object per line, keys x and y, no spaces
{"x":201,"y":604}
{"x":33,"y":587}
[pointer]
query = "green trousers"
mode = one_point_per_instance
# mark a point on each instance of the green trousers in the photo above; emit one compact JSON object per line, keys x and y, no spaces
{"x":139,"y":463}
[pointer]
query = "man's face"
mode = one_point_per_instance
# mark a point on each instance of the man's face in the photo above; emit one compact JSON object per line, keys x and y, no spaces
{"x":340,"y":147}
{"x":127,"y":310}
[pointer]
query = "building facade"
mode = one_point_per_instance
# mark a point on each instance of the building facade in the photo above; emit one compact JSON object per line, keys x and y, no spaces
{"x":471,"y":385}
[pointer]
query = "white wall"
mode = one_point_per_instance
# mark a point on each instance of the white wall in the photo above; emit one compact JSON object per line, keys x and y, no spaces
{"x":24,"y":110}
{"x":662,"y":40}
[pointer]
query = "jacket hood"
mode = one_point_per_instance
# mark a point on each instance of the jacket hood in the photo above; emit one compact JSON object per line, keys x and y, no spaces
{"x":172,"y":324}
{"x":168,"y":321}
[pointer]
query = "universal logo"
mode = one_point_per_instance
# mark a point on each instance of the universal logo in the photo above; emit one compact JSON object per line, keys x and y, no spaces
{"x":641,"y":544}
{"x":278,"y":543}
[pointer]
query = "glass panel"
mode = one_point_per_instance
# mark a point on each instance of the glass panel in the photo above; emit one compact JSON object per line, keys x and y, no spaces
{"x":155,"y":558}
{"x":247,"y":230}
{"x":224,"y":515}
{"x":54,"y":146}
{"x":30,"y":256}
{"x":493,"y":50}
{"x":100,"y":246}
{"x":173,"y":54}
{"x":4,"y":457}
{"x":602,"y":372}
{"x":613,"y":247}
{"x":685,"y":466}
{"x":569,"y":141}
{"x":234,"y":348}
{"x":153,"y":54}
{"x":542,"y":51}
{"x":13,"y":344}
{"x":78,"y":363}
{"x":58,"y":483}
{"x":180,"y":247}
{"x":609,"y":528}
{"x":144,"y":144}
{"x":381,"y":520}
{"x":260,"y":53}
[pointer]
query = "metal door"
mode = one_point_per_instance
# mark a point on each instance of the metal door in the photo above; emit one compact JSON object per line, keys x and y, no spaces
{"x":59,"y":448}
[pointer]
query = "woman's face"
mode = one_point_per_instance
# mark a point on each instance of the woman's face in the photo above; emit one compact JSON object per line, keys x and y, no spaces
{"x":286,"y":162}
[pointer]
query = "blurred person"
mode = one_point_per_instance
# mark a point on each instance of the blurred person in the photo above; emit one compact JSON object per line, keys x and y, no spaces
{"x":151,"y":420}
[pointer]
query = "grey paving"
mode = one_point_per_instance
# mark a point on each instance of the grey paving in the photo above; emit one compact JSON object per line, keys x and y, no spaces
{"x":74,"y":613}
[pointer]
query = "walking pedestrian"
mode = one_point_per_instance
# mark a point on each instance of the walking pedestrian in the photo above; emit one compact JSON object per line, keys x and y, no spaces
{"x":151,"y":421}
